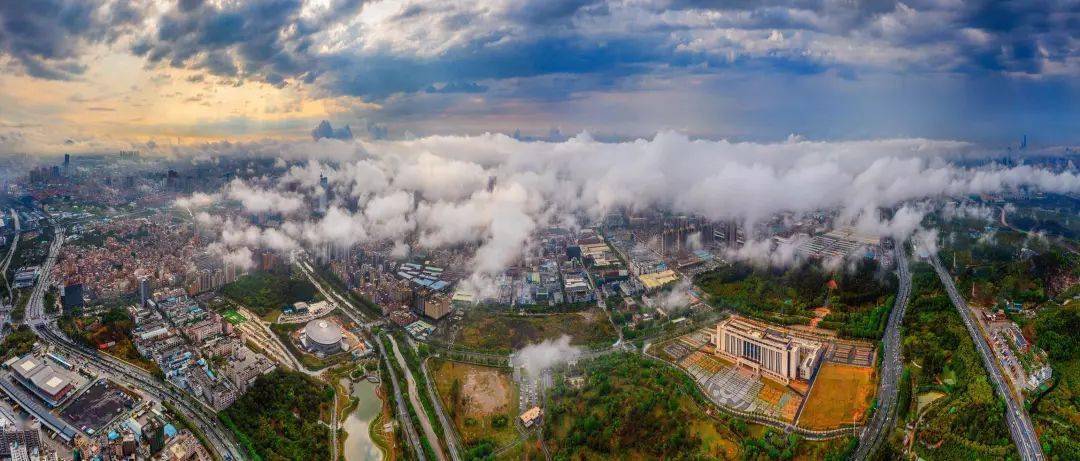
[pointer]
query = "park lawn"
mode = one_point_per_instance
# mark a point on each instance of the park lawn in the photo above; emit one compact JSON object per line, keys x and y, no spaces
{"x":485,"y":394}
{"x":493,"y":330}
{"x":925,"y":399}
{"x":841,"y":394}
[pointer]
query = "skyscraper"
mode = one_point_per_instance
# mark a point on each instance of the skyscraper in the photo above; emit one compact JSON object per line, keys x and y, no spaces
{"x":324,"y":196}
{"x":144,"y":291}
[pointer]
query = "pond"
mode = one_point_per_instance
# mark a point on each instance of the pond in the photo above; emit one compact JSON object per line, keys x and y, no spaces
{"x":358,"y":444}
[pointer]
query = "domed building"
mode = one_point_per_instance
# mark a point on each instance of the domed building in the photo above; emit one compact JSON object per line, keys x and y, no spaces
{"x":322,"y":336}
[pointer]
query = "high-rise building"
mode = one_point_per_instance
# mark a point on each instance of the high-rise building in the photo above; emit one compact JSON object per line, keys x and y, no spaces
{"x":154,"y":432}
{"x":324,"y":195}
{"x":67,"y":160}
{"x":72,"y":296}
{"x":144,"y":291}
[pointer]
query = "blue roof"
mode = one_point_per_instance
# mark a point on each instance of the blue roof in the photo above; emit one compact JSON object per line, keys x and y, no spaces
{"x":170,"y":431}
{"x":113,"y":435}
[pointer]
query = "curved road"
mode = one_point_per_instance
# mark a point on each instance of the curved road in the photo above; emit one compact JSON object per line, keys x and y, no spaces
{"x":414,"y":397}
{"x":1020,"y":427}
{"x":403,"y":413}
{"x":891,"y":365}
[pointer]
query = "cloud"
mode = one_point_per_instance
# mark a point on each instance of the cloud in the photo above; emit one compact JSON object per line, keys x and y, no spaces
{"x":490,"y":193}
{"x":535,"y":358}
{"x":326,"y":131}
{"x":197,"y":200}
{"x":259,"y":200}
{"x":48,"y":38}
{"x":381,"y":48}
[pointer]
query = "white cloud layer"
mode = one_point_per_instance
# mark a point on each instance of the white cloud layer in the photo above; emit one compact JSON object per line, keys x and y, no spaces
{"x":493,"y":191}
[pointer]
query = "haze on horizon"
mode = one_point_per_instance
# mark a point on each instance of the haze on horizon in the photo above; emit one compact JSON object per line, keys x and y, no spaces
{"x":86,"y":76}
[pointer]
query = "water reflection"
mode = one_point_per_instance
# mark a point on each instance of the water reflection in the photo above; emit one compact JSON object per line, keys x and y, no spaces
{"x":358,"y":444}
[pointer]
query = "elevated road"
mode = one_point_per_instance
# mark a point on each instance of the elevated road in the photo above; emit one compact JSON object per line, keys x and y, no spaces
{"x":10,"y":254}
{"x":891,"y":365}
{"x":414,"y":397}
{"x":195,"y":411}
{"x":1020,"y":427}
{"x":134,"y":377}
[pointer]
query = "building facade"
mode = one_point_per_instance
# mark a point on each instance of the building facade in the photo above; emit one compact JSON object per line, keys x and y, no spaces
{"x":769,"y":351}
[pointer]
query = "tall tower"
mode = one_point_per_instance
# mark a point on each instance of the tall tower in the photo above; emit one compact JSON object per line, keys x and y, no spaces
{"x":144,"y":291}
{"x":324,"y":192}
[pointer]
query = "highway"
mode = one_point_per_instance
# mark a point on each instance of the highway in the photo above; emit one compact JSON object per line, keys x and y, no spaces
{"x":10,"y":254}
{"x":35,"y":308}
{"x":891,"y":365}
{"x":1020,"y":428}
{"x":117,"y":370}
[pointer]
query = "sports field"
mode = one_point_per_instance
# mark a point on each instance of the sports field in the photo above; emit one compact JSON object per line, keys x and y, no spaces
{"x":233,"y":317}
{"x":841,"y":393}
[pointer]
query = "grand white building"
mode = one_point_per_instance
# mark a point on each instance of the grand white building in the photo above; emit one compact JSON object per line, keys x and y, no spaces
{"x":770,"y":351}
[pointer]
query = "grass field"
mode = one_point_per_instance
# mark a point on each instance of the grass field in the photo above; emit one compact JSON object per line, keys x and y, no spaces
{"x":484,"y":404}
{"x":496,"y":330}
{"x":233,"y":317}
{"x":841,"y":393}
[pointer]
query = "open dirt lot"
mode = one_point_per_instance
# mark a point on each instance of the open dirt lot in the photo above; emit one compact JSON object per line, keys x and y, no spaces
{"x":495,"y":330}
{"x":487,"y":390}
{"x":484,"y":404}
{"x":840,"y":393}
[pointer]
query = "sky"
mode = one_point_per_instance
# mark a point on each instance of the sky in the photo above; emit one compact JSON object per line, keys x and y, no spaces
{"x":91,"y":75}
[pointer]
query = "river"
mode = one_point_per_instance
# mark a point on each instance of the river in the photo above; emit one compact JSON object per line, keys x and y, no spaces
{"x":358,"y":444}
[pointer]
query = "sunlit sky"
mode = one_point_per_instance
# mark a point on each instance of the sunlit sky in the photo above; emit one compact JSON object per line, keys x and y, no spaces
{"x":78,"y":75}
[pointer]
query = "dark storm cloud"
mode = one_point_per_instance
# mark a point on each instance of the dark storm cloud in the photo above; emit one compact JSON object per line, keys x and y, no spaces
{"x":440,"y":46}
{"x":258,"y":40}
{"x":46,"y":37}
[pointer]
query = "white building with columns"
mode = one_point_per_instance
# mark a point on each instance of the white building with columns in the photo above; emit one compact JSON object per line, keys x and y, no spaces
{"x":770,"y":351}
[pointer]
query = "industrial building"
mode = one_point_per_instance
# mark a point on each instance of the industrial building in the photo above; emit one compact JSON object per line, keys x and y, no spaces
{"x":50,"y":384}
{"x":768,"y":350}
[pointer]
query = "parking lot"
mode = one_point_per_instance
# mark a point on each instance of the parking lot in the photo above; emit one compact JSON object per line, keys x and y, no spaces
{"x":97,"y":406}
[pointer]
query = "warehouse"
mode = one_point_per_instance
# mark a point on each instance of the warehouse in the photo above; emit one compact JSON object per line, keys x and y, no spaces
{"x":48,"y":383}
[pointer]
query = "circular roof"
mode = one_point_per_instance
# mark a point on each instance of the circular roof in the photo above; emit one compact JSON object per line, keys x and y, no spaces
{"x":323,"y":331}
